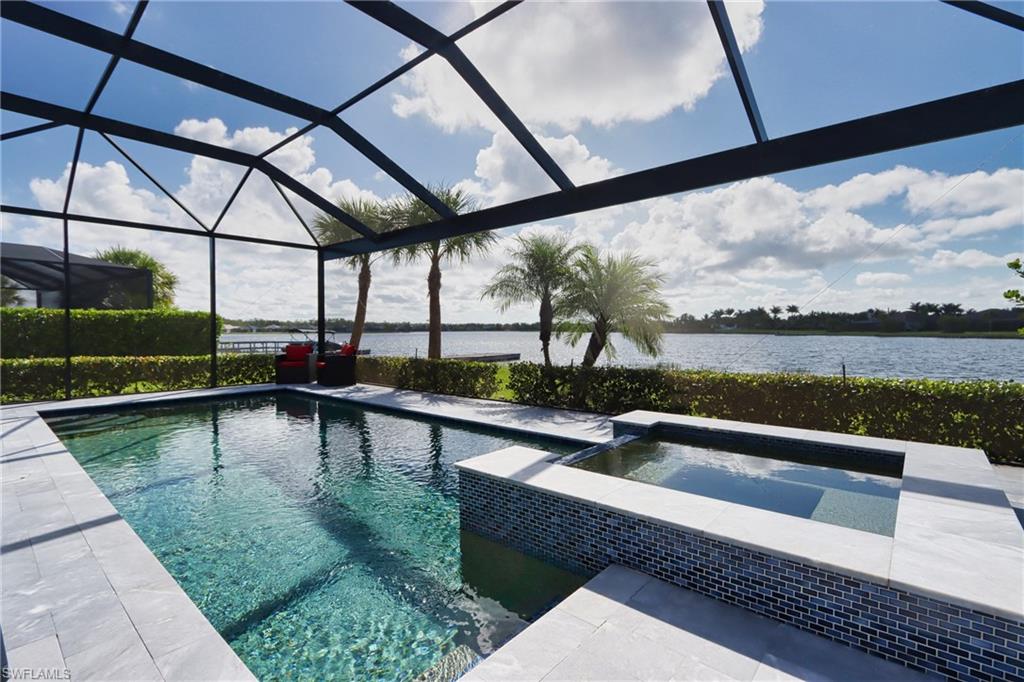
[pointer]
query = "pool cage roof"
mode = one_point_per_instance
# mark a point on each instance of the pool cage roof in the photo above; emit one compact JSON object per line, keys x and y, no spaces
{"x":968,"y":113}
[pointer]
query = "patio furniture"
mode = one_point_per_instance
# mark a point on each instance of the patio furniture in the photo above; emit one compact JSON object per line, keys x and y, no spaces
{"x":337,"y":369}
{"x":297,"y":365}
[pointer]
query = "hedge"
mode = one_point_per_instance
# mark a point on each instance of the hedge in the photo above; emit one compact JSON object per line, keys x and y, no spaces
{"x":452,"y":377}
{"x":982,"y":414}
{"x":979,"y":414}
{"x":27,"y":380}
{"x":39,"y":332}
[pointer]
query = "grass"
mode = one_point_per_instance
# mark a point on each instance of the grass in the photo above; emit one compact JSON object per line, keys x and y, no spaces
{"x":503,"y":392}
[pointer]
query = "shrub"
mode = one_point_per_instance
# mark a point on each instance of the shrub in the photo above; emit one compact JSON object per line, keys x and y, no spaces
{"x":27,"y":380}
{"x":981,"y":414}
{"x":39,"y":332}
{"x":454,"y":377}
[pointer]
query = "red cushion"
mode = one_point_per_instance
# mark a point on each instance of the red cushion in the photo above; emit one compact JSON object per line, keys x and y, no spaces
{"x":291,"y":363}
{"x":297,"y":351}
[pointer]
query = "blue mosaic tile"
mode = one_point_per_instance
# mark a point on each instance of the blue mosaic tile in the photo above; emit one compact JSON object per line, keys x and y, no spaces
{"x":914,"y":630}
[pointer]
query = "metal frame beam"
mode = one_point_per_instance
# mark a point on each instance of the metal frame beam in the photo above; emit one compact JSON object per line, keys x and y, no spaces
{"x":114,"y":222}
{"x":983,"y":9}
{"x":66,"y":27}
{"x":739,"y":71}
{"x":412,"y":27}
{"x":29,"y":130}
{"x":980,"y":111}
{"x":101,"y":124}
{"x":155,"y":182}
{"x":401,"y":70}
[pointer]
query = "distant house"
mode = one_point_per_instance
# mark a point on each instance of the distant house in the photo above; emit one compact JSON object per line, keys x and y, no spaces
{"x":37,"y":273}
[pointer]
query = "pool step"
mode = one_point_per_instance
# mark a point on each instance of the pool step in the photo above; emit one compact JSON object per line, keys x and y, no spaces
{"x":451,"y":666}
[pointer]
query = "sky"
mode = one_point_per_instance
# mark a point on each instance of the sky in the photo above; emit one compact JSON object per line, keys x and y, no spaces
{"x":607,"y":88}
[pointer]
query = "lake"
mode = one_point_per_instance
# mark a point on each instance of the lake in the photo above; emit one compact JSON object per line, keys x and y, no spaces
{"x":869,"y":356}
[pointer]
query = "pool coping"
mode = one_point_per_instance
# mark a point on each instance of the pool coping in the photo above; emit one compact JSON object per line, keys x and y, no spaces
{"x":83,"y":593}
{"x":956,"y":538}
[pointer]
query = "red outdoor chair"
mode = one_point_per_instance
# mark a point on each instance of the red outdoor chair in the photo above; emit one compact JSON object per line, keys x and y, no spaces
{"x":297,"y":365}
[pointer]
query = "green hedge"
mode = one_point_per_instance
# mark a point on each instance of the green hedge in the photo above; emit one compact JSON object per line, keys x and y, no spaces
{"x":27,"y":380}
{"x":39,"y":332}
{"x":453,"y":377}
{"x":980,"y":414}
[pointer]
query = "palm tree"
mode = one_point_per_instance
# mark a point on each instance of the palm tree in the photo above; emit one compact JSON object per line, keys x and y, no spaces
{"x":540,"y":268}
{"x":164,"y":281}
{"x":379,"y":217}
{"x":951,"y":309}
{"x":792,"y":309}
{"x":415,"y":211}
{"x":9,"y":296}
{"x":612,"y":294}
{"x":775,"y":310}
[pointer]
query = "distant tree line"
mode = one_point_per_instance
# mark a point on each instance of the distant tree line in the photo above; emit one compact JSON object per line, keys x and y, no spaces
{"x":918,"y":317}
{"x":343,"y":325}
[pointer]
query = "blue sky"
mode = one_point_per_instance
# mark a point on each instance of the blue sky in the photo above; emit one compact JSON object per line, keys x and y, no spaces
{"x":607,"y":88}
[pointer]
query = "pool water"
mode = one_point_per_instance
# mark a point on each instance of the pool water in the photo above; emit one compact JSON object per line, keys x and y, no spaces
{"x":852,"y":492}
{"x":321,"y":540}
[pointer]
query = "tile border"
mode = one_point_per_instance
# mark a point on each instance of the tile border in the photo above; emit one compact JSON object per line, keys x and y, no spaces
{"x":912,"y":629}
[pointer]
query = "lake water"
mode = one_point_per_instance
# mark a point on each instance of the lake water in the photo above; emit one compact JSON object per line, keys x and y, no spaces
{"x":871,"y":356}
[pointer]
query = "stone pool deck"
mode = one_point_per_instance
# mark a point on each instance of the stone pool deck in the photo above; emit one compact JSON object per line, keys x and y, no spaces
{"x":82,"y":593}
{"x":625,"y":625}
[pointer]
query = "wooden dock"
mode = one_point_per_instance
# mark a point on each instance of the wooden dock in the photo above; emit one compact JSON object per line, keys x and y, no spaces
{"x":486,"y":357}
{"x":260,"y":347}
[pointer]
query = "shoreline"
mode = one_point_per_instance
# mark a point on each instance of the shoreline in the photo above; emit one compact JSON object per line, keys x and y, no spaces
{"x":733,"y":332}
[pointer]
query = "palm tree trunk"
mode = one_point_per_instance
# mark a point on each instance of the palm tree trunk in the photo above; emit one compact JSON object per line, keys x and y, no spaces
{"x":546,"y":323}
{"x":434,"y":296}
{"x":364,"y":293}
{"x":598,"y":338}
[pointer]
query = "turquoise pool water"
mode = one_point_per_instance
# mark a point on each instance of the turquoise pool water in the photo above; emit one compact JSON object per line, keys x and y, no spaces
{"x":844,"y":491}
{"x":320,"y":539}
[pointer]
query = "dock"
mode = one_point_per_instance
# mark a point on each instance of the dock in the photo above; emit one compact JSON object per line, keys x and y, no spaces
{"x":486,"y":357}
{"x":261,"y":347}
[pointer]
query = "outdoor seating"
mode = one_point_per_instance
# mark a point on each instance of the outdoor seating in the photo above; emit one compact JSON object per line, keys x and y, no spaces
{"x":339,"y":368}
{"x":296,"y":365}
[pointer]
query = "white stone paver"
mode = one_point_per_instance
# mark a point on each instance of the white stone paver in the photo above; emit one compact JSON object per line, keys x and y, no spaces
{"x":1012,"y":480}
{"x":580,"y":426}
{"x":74,"y":571}
{"x":624,"y":625}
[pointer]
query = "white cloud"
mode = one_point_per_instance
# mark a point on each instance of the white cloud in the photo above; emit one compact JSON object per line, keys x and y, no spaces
{"x":943,"y":259}
{"x":882,"y":279}
{"x":505,"y":172}
{"x":562,"y":64}
{"x":255,"y":280}
{"x":757,"y":242}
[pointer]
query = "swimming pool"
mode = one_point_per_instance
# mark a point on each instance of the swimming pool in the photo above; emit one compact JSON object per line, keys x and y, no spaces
{"x":856,"y":492}
{"x":320,"y":539}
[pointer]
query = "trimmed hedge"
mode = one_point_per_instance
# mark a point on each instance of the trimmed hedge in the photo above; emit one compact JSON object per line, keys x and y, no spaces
{"x":982,"y":414}
{"x":39,"y":332}
{"x":453,"y":377}
{"x":979,"y":414}
{"x":28,"y":380}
